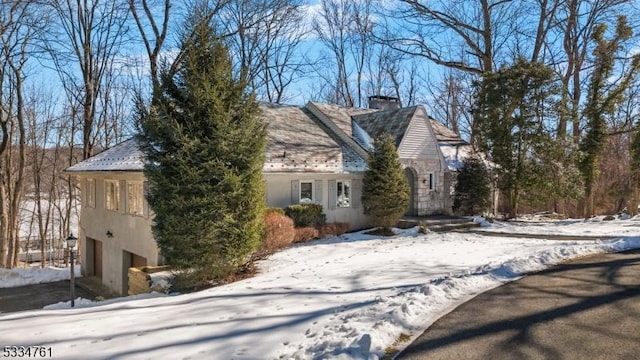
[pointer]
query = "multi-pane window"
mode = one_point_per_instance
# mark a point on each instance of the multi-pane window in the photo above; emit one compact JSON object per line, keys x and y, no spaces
{"x":344,"y":193}
{"x":112,"y":195}
{"x":134,"y":197}
{"x":90,"y":197}
{"x":306,"y":192}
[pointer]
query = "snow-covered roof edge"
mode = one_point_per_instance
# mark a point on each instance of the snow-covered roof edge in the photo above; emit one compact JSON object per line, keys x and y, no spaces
{"x":125,"y":156}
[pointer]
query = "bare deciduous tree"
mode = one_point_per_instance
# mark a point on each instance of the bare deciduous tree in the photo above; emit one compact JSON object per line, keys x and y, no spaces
{"x":333,"y":28}
{"x":470,"y":31}
{"x":153,"y":31}
{"x":19,"y":24}
{"x":576,"y":21}
{"x":450,"y":102}
{"x":89,"y":36}
{"x":40,"y":118}
{"x":264,"y":38}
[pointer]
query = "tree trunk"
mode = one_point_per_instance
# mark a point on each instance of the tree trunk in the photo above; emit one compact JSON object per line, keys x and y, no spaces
{"x":4,"y":222}
{"x":513,"y":203}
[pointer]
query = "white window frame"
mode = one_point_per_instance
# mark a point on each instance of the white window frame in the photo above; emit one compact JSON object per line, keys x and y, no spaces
{"x":90,"y":196}
{"x":112,"y":195}
{"x":342,"y":200}
{"x":135,"y":198}
{"x":306,"y":200}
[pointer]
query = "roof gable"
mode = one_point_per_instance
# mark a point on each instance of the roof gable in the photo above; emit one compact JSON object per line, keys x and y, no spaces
{"x":419,"y":140}
{"x":394,"y":122}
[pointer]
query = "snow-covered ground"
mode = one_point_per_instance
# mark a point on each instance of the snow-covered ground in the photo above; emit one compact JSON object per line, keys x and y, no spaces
{"x":624,"y":226}
{"x":345,"y":297}
{"x":34,"y":275}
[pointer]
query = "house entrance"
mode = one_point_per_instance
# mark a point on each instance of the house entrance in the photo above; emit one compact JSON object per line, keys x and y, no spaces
{"x":411,"y":180}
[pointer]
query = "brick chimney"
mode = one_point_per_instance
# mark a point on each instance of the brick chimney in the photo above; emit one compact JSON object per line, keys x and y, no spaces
{"x":384,"y":102}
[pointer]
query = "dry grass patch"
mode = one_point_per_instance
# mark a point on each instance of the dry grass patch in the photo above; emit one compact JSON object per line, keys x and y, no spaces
{"x":392,"y":350}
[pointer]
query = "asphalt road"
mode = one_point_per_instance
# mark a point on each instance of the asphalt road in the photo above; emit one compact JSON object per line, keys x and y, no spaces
{"x":37,"y":296}
{"x":585,"y":309}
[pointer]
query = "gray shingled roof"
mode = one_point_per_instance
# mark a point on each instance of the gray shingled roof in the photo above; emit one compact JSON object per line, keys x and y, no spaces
{"x":394,"y":122}
{"x":341,"y":116}
{"x":125,"y":156}
{"x":444,"y":134}
{"x":373,"y":121}
{"x":296,"y":143}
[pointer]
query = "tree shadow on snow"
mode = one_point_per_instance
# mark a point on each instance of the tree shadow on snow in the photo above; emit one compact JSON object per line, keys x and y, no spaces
{"x":507,"y":322}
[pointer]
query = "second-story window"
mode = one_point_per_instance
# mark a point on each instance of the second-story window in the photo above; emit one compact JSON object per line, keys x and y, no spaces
{"x":90,"y":197}
{"x":112,"y":195}
{"x":134,"y":197}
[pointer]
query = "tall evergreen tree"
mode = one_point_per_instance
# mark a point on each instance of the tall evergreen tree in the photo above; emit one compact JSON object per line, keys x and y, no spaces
{"x":385,"y":192}
{"x":558,"y":178}
{"x":473,"y":188}
{"x":511,"y":108}
{"x":203,"y":142}
{"x":602,"y":100}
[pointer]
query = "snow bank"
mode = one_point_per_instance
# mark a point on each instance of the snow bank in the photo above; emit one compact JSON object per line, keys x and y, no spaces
{"x":414,"y":309}
{"x":34,"y":275}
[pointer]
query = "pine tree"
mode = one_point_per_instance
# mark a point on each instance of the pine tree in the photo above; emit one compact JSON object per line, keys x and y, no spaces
{"x":204,"y":142}
{"x":385,"y":193}
{"x":512,"y":106}
{"x":473,"y":188}
{"x":557,"y":176}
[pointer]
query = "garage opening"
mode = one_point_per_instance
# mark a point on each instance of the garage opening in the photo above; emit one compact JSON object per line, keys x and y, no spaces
{"x":94,"y":257}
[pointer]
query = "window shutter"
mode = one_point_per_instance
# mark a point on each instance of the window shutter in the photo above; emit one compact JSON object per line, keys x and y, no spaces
{"x":145,"y":195}
{"x":333,"y":194}
{"x":85,"y":193}
{"x":318,"y":190}
{"x":124,"y":202}
{"x":295,"y":192}
{"x":356,"y":193}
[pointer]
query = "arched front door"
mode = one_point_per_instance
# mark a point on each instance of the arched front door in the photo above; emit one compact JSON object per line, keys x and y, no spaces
{"x":411,"y":180}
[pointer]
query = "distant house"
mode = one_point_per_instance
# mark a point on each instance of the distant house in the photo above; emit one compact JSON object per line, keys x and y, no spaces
{"x":315,"y":154}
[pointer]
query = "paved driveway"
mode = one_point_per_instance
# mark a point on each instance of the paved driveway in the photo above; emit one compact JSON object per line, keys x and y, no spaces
{"x":585,"y":309}
{"x":37,"y":296}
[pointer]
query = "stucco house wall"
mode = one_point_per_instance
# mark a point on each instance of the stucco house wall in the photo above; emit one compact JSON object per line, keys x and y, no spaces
{"x":281,"y":190}
{"x":119,"y":233}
